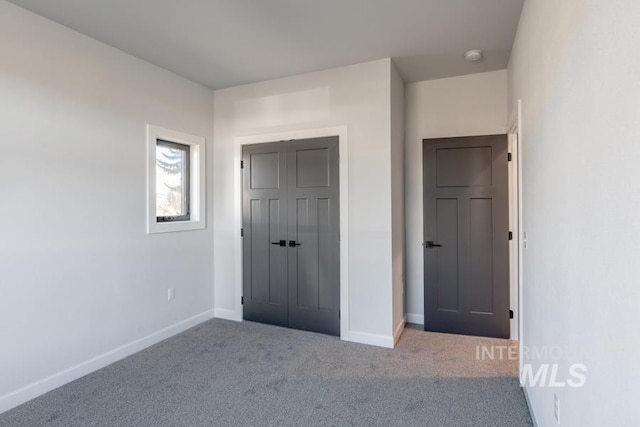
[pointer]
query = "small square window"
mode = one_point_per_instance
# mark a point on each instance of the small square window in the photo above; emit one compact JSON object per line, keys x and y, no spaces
{"x":176,"y":181}
{"x":172,"y":181}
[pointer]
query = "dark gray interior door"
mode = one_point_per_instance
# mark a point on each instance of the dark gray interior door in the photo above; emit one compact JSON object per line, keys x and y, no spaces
{"x":264,"y":218}
{"x":314,"y":232}
{"x":466,"y":236}
{"x":291,"y":243}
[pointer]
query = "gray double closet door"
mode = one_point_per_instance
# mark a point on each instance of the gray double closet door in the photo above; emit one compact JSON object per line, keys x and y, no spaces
{"x":291,"y":234}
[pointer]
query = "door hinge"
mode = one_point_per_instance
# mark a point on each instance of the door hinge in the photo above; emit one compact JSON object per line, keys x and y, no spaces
{"x":241,"y":300}
{"x":242,"y":232}
{"x":510,"y":314}
{"x":508,"y":157}
{"x":511,"y":235}
{"x":241,"y":164}
{"x":339,"y":314}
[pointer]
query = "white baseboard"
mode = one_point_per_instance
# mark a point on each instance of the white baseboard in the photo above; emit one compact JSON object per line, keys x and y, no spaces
{"x":223,"y":313}
{"x":371,"y":339}
{"x":398,"y":332}
{"x":40,"y":387}
{"x":528,"y":400}
{"x":418,"y":319}
{"x":513,"y":325}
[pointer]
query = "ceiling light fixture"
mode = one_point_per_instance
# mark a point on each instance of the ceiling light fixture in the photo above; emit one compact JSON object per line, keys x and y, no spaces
{"x":474,"y":55}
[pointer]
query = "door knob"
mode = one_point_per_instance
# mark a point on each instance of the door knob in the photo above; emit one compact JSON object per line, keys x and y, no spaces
{"x":280,"y":243}
{"x":429,"y":244}
{"x":293,"y":244}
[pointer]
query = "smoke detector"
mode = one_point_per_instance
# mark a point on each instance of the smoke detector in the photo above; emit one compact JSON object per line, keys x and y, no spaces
{"x":474,"y":55}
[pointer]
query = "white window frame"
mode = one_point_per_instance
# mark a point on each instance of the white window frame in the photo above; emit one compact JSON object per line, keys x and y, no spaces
{"x":196,"y":180}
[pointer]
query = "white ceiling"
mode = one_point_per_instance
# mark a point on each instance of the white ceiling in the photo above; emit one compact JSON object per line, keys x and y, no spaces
{"x":222,"y":43}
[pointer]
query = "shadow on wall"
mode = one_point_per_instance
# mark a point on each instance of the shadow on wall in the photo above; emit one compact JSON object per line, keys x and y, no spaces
{"x":305,"y":106}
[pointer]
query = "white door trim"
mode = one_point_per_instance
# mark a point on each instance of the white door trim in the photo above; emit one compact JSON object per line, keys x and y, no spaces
{"x":514,"y":293}
{"x":515,"y":128}
{"x":343,"y":143}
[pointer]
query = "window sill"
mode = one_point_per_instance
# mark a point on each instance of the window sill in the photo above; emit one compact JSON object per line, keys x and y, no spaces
{"x":170,"y":227}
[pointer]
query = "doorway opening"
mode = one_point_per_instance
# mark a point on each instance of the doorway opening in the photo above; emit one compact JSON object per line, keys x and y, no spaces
{"x":470,"y":161}
{"x":467,"y":235}
{"x":441,"y":205}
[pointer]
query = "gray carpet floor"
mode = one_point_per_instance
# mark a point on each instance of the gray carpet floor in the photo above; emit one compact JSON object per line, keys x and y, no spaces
{"x":223,"y":373}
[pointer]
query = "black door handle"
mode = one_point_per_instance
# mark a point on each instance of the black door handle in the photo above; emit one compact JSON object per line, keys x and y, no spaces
{"x":280,"y":243}
{"x":430,"y":244}
{"x":293,"y":244}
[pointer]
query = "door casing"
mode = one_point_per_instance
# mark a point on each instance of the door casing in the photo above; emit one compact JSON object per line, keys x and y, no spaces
{"x":514,"y":226}
{"x":515,"y":129}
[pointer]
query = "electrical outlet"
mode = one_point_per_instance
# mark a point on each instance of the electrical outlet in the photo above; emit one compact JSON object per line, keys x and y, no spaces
{"x":171,"y":294}
{"x":556,"y":407}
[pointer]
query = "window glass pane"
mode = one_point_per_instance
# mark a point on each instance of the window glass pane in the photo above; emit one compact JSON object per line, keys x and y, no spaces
{"x":171,"y":180}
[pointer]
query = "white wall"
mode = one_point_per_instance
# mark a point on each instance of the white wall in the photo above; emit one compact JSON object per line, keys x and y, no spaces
{"x":397,"y":199}
{"x":459,"y":106}
{"x":575,"y":67}
{"x":79,"y":276}
{"x":357,"y":97}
